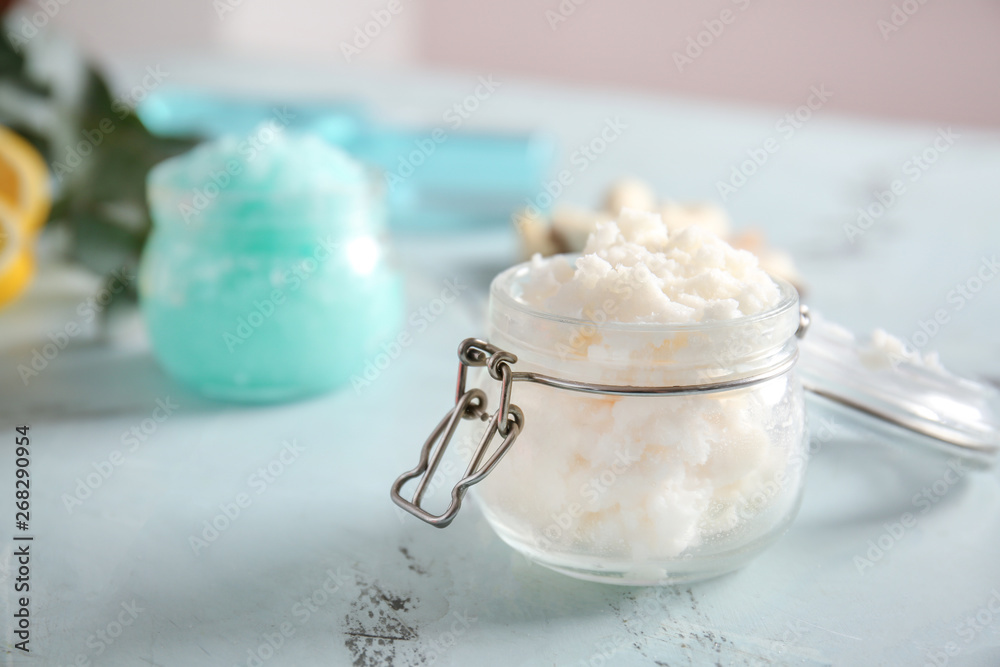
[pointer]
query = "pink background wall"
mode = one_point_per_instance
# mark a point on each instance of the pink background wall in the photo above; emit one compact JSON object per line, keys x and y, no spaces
{"x":942,"y":65}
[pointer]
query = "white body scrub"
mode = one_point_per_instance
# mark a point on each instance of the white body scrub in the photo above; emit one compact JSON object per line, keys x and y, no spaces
{"x":689,"y":277}
{"x":648,"y":489}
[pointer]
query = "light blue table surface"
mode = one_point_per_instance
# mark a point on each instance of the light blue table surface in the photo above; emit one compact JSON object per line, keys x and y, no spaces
{"x":387,"y":589}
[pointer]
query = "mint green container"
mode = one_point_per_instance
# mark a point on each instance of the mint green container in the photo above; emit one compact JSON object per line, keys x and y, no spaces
{"x":265,"y":277}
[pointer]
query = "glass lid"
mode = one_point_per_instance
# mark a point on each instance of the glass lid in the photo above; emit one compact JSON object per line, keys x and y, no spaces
{"x":881,"y":385}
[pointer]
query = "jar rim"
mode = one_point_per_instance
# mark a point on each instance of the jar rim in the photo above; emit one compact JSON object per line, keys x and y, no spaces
{"x":165,"y":201}
{"x":372,"y":184}
{"x":500,"y":289}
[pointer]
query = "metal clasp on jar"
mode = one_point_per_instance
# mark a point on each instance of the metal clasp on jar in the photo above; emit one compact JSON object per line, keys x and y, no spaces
{"x":507,"y":421}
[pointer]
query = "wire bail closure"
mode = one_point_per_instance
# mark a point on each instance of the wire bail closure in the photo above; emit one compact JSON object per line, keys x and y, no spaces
{"x":507,"y":421}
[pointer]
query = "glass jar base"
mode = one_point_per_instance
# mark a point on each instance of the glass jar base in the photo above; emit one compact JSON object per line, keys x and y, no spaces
{"x":661,"y":572}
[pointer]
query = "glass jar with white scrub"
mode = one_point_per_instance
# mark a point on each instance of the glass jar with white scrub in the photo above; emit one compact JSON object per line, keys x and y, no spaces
{"x":645,"y":454}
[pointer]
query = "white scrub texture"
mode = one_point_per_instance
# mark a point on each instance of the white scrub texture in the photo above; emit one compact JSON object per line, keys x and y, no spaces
{"x":644,"y":480}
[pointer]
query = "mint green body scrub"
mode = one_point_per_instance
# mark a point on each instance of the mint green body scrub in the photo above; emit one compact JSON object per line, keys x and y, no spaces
{"x":265,"y":277}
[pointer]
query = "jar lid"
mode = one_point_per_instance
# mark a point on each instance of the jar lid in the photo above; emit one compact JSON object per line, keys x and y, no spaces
{"x":882,"y":386}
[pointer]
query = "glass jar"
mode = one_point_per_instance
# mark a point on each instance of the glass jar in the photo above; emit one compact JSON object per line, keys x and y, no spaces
{"x":645,"y":454}
{"x":651,"y":488}
{"x":259,"y":296}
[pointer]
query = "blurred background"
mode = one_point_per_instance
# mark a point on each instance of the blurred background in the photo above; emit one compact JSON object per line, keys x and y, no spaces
{"x":781,"y":125}
{"x":917,"y":60}
{"x":211,"y":205}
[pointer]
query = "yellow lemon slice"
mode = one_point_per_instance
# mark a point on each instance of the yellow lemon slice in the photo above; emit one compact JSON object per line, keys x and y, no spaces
{"x":24,"y":181}
{"x":17,"y":262}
